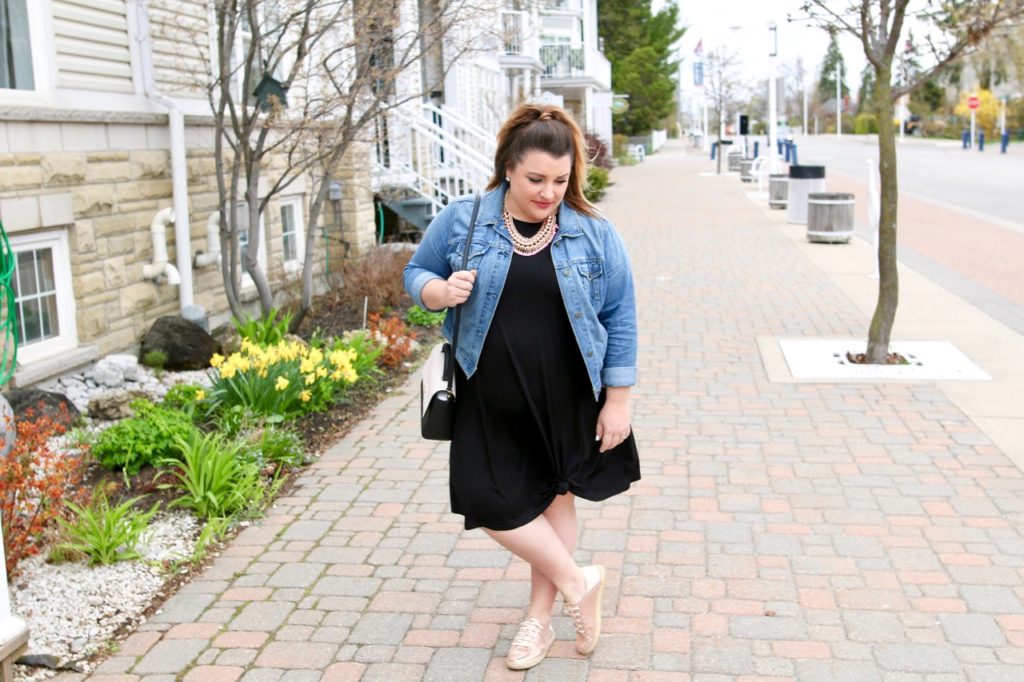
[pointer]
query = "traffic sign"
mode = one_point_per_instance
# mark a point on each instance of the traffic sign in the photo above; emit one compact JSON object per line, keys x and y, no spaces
{"x":973,"y":102}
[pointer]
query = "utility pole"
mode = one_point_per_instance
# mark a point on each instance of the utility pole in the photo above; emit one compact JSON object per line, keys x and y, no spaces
{"x":839,"y":100}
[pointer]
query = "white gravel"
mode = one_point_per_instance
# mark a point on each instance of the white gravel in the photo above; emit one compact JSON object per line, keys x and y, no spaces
{"x":72,"y":609}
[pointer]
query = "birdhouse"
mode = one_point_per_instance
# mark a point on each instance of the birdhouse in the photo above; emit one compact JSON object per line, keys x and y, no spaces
{"x":268,"y":89}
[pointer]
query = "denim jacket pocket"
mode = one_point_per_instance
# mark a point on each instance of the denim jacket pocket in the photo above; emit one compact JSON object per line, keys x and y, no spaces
{"x":477,"y":251}
{"x":592,"y":271}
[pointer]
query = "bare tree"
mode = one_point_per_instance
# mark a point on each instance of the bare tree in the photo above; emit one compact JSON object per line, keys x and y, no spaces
{"x":956,"y":28}
{"x":722,"y":87}
{"x":295,"y":85}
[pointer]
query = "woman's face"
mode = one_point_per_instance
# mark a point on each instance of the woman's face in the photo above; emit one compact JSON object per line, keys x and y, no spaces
{"x":537,"y":185}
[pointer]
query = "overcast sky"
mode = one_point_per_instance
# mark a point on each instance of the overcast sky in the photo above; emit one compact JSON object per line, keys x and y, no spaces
{"x":742,"y":26}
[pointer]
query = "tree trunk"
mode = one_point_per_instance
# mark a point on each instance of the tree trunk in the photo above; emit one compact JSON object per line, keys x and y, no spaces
{"x":888,"y":277}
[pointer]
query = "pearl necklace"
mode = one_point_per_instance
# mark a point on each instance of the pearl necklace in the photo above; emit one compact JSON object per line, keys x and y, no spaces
{"x":535,"y":244}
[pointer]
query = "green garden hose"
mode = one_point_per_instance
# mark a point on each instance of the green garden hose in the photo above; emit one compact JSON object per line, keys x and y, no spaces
{"x":8,"y":310}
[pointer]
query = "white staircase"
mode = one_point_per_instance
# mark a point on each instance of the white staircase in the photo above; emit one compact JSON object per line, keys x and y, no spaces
{"x":426,"y":156}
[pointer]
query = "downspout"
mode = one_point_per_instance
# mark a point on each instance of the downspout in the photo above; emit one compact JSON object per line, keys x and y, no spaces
{"x":179,"y":169}
{"x":212,"y":256}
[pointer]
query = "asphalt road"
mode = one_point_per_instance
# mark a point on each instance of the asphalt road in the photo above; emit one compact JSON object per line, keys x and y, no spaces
{"x":987,"y":183}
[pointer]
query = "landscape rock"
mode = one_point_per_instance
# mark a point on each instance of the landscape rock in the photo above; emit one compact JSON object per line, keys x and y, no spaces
{"x":187,"y":345}
{"x":56,"y":406}
{"x":115,"y":404}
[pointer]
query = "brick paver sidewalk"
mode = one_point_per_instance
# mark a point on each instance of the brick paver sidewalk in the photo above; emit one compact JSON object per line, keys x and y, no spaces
{"x":781,"y":531}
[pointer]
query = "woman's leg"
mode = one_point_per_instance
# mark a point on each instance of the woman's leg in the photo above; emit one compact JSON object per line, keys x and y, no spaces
{"x":540,"y":545}
{"x":561,"y":514}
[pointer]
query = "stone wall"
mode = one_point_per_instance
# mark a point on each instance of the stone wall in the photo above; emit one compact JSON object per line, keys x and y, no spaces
{"x":104,"y":181}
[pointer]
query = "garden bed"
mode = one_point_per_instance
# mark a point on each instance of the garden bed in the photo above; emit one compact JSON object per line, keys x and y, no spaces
{"x":76,"y":611}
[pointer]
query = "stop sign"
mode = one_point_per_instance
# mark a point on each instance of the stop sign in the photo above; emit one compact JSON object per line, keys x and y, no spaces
{"x":973,"y":102}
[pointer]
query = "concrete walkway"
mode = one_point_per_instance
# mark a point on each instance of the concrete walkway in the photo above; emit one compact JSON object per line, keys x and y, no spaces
{"x":810,"y":531}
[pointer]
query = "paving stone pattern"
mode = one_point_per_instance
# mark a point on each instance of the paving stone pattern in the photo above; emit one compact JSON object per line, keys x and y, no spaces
{"x":857,"y":532}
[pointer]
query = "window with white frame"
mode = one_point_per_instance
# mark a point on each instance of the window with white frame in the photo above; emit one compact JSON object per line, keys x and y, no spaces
{"x":16,"y":71}
{"x":292,"y":247}
{"x":23,"y":49}
{"x":43,"y":296}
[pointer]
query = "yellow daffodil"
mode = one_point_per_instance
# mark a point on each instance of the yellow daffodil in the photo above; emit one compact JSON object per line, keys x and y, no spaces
{"x":307,"y":366}
{"x":321,"y":372}
{"x":216,"y":360}
{"x":306,"y":396}
{"x":281,"y":384}
{"x":310,"y":378}
{"x":200,"y":395}
{"x":227,"y":371}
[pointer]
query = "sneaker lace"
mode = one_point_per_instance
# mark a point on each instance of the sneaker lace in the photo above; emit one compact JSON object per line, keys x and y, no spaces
{"x":577,"y":618}
{"x":528,"y":635}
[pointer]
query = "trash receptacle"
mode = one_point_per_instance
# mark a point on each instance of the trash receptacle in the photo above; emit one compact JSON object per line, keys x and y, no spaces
{"x":778,"y":186}
{"x":803,"y":180}
{"x":747,"y":170}
{"x":829,"y":217}
{"x":734,"y":158}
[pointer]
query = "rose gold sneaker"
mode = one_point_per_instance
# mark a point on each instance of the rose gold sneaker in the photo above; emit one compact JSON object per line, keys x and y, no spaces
{"x":586,"y":615}
{"x":530,"y":645}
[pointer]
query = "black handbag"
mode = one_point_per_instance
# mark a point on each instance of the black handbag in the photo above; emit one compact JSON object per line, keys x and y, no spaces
{"x":437,"y":387}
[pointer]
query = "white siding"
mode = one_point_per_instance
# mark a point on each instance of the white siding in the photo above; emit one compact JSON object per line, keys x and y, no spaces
{"x":91,"y":37}
{"x":180,"y":31}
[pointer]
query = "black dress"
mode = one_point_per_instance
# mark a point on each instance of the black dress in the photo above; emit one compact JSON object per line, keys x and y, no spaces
{"x":525,"y":422}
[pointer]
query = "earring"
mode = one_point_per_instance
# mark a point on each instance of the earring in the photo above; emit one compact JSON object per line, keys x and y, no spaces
{"x":506,"y":179}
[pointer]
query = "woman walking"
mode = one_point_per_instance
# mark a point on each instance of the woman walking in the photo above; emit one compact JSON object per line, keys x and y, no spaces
{"x":546,"y":356}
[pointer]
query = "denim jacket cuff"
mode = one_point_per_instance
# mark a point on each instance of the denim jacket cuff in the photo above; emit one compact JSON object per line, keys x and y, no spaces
{"x":416,"y":287}
{"x":618,"y":376}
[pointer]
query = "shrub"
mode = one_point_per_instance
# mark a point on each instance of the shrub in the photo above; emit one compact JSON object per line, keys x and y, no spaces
{"x":286,"y":379}
{"x":597,"y":151}
{"x":425,"y":318}
{"x":865,"y":124}
{"x":105,"y":534}
{"x":213,"y":476}
{"x":395,"y":337}
{"x":141,"y":440}
{"x":265,"y":331}
{"x":377,"y":277}
{"x":36,"y":484}
{"x":597,"y":183}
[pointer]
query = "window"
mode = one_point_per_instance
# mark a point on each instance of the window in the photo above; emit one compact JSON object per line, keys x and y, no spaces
{"x":43,"y":297}
{"x":291,"y":232}
{"x":16,"y":60}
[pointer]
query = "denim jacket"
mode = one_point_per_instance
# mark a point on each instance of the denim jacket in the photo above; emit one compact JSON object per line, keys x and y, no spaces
{"x":593,"y":271}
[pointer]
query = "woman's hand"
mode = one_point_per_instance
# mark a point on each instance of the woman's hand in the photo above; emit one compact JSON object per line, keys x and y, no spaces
{"x":458,"y":287}
{"x":613,"y":421}
{"x":439,"y":294}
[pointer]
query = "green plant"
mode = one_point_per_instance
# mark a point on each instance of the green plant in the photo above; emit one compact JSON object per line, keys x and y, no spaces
{"x":141,"y":440}
{"x":280,"y":446}
{"x":80,"y":438}
{"x":425,"y":318}
{"x":367,"y":350}
{"x":188,"y":398}
{"x":156,"y":358}
{"x":265,"y":331}
{"x":597,"y":183}
{"x":106,"y":534}
{"x":214,"y":477}
{"x":285,"y":379}
{"x":865,"y":124}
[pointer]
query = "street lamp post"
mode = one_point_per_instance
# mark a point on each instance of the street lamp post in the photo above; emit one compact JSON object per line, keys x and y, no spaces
{"x":773,"y":130}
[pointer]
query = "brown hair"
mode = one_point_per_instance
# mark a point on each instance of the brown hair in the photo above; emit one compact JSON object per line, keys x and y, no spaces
{"x":550,"y":129}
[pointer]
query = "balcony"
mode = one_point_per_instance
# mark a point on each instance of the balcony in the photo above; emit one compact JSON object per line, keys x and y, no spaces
{"x":564,"y":62}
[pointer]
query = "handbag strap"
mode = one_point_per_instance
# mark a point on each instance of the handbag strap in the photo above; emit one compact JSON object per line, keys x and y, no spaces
{"x":450,"y":365}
